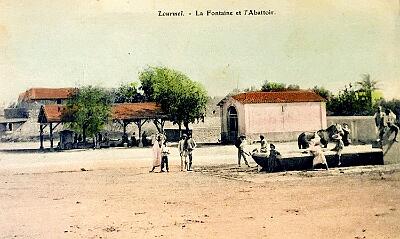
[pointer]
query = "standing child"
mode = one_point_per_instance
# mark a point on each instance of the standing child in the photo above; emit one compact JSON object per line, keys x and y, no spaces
{"x":274,"y":163}
{"x":164,"y":157}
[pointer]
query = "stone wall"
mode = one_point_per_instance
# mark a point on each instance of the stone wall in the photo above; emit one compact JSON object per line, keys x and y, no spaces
{"x":362,"y":128}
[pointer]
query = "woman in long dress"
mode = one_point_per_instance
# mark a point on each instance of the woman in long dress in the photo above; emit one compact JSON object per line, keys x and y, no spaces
{"x":156,"y":152}
{"x":316,"y":151}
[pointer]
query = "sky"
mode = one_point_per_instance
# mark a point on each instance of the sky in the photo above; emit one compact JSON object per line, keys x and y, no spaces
{"x":69,"y":43}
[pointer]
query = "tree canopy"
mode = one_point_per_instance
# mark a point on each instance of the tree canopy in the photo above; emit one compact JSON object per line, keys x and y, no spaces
{"x":354,"y":100}
{"x":269,"y":86}
{"x":321,"y":91}
{"x":88,"y":110}
{"x":127,"y":93}
{"x":181,"y":98}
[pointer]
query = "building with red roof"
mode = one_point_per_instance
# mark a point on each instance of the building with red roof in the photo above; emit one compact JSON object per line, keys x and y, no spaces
{"x":279,"y":116}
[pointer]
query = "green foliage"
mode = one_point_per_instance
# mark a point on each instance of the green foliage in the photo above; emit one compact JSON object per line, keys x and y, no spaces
{"x":350,"y":102}
{"x":127,"y":93}
{"x":89,"y":109}
{"x":293,"y":87}
{"x":321,"y":91}
{"x":366,"y":84}
{"x":181,"y":98}
{"x":275,"y":86}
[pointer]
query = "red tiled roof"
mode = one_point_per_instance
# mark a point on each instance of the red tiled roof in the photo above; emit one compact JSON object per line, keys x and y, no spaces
{"x":130,"y":111}
{"x":51,"y":113}
{"x":124,"y":111}
{"x":46,"y":94}
{"x":277,"y":97}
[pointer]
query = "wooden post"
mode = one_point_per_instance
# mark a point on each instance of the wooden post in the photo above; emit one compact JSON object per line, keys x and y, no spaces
{"x":41,"y":136}
{"x":139,"y":125}
{"x":124,"y":125}
{"x":51,"y":135}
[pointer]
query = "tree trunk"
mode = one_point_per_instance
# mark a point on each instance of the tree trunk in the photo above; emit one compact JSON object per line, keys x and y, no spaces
{"x":186,"y":124}
{"x":84,"y":134}
{"x":94,"y":142}
{"x":180,"y":129}
{"x":155,"y":121}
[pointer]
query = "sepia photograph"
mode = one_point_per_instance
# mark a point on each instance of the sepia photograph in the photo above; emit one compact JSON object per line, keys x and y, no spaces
{"x":199,"y":119}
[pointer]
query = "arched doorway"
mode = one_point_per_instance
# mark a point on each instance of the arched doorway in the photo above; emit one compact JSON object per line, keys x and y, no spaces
{"x":232,"y":124}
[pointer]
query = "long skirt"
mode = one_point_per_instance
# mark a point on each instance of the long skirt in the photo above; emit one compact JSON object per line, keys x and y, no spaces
{"x":156,"y":155}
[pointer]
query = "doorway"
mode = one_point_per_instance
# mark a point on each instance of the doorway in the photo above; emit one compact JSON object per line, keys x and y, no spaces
{"x":233,"y":126}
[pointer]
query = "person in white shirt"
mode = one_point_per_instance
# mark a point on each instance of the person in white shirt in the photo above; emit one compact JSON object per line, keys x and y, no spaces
{"x":389,"y":121}
{"x":164,"y":157}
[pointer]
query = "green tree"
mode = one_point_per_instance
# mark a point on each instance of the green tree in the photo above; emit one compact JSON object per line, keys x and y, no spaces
{"x":127,"y":93}
{"x":269,"y":86}
{"x":88,"y":110}
{"x":181,"y":98}
{"x":273,"y":86}
{"x":350,"y":102}
{"x":366,"y":87}
{"x":293,"y":87}
{"x":321,"y":91}
{"x":367,"y":84}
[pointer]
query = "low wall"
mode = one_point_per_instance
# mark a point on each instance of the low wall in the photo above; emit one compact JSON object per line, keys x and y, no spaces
{"x":304,"y":162}
{"x":362,"y":128}
{"x":275,"y":136}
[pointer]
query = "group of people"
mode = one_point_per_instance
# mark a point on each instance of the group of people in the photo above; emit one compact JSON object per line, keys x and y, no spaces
{"x":385,"y":121}
{"x":273,"y":155}
{"x":186,"y":146}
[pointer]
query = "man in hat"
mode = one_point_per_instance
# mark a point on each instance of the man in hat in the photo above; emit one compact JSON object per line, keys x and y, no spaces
{"x":189,"y":145}
{"x":379,"y":123}
{"x":240,"y":145}
{"x":182,"y":150}
{"x":390,"y":122}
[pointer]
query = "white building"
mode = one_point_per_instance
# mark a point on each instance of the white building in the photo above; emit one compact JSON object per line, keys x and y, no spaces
{"x":279,"y":116}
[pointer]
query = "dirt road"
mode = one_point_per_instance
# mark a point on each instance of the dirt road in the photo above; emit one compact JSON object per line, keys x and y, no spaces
{"x":110,"y":194}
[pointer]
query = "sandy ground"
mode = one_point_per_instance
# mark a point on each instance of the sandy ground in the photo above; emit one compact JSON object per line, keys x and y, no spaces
{"x":109,"y":193}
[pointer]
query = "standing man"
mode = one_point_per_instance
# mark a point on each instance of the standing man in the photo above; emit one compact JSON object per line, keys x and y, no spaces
{"x":189,"y":145}
{"x":390,"y":122}
{"x":379,"y":116}
{"x":240,"y":145}
{"x":346,"y":135}
{"x":181,"y":149}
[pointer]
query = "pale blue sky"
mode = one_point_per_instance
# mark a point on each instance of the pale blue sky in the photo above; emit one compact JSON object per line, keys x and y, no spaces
{"x":60,"y":43}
